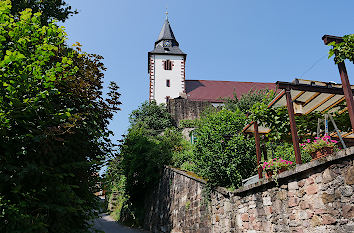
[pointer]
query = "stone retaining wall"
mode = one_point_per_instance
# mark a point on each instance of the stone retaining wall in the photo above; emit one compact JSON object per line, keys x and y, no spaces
{"x":181,"y":109}
{"x":313,"y":197}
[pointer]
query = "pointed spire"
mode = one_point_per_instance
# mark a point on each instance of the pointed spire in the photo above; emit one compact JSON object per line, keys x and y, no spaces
{"x":166,"y":32}
{"x":166,"y":42}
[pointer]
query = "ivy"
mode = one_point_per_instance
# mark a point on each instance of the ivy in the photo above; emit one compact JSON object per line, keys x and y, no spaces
{"x":343,"y":50}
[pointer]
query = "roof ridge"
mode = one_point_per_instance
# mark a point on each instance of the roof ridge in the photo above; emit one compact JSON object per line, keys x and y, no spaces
{"x":225,"y":81}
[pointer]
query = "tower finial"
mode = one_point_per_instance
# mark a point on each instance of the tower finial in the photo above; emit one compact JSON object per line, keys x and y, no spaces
{"x":166,"y":14}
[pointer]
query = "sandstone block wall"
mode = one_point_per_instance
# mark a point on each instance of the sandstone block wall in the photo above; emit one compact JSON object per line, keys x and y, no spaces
{"x":185,"y":109}
{"x":313,"y":197}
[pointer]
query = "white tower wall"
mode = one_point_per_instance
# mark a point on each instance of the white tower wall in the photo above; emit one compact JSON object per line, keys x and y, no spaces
{"x":159,"y":91}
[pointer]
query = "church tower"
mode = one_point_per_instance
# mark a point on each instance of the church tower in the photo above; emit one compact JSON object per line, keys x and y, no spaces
{"x":166,"y":67}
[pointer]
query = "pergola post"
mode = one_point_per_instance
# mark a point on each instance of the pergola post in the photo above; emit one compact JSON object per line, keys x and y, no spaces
{"x":264,"y":148}
{"x":347,"y":91}
{"x":293,"y":126}
{"x":258,"y":149}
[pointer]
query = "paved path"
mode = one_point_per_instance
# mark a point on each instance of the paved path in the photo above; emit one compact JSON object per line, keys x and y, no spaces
{"x":107,"y":224}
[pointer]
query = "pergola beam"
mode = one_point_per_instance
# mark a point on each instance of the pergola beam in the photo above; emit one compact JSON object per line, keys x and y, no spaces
{"x":328,"y":39}
{"x":311,"y":88}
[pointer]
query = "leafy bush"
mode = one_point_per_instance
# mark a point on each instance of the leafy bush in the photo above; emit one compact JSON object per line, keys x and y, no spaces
{"x":286,"y":151}
{"x":246,"y":101}
{"x":182,"y":153}
{"x":187,"y":123}
{"x":223,"y":155}
{"x":150,"y":144}
{"x":153,"y":117}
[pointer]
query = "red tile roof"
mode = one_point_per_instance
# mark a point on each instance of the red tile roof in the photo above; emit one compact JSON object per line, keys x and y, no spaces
{"x":214,"y":91}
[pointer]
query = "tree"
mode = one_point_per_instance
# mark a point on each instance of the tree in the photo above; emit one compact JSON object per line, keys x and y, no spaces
{"x":155,"y":118}
{"x":50,"y":9}
{"x":53,"y":127}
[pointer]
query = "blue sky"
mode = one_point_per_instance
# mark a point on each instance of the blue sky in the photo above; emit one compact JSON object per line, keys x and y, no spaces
{"x":249,"y":40}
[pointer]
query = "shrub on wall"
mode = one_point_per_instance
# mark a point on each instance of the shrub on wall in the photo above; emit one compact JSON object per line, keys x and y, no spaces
{"x":153,"y":117}
{"x":150,"y":144}
{"x":246,"y":101}
{"x":223,"y":155}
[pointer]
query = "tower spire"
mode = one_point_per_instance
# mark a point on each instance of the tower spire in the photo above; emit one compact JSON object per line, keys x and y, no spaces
{"x":166,"y":13}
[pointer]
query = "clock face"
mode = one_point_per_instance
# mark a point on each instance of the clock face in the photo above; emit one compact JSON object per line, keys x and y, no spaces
{"x":167,"y":43}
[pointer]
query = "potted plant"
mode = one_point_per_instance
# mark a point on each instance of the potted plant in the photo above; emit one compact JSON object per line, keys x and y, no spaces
{"x":320,"y":147}
{"x":275,"y":166}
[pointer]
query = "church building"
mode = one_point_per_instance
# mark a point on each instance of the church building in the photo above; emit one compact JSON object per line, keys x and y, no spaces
{"x":186,"y":99}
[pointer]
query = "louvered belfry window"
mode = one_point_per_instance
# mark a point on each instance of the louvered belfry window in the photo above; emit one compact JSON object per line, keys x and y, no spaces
{"x":168,"y":65}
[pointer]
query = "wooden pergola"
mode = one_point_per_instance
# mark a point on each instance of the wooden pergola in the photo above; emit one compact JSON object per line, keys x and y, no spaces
{"x":308,"y":96}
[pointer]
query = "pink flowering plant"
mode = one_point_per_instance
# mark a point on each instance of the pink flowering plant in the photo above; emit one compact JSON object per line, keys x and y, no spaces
{"x":311,"y":146}
{"x":275,"y":165}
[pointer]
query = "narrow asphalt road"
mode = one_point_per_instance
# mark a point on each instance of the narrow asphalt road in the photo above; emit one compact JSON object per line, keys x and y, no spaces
{"x":107,"y":224}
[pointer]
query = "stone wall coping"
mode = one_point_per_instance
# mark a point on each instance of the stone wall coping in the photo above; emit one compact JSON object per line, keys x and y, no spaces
{"x":349,"y":152}
{"x":184,"y":173}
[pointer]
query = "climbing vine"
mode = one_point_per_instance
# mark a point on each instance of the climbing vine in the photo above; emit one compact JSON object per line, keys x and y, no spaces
{"x":343,"y":50}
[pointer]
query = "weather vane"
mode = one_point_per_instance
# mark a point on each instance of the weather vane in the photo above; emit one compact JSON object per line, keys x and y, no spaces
{"x":166,"y":13}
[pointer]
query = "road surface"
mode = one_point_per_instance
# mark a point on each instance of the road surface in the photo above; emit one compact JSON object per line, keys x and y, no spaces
{"x":108,"y":225}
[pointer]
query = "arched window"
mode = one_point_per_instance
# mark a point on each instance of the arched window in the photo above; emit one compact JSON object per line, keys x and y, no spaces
{"x":168,"y":83}
{"x":168,"y":65}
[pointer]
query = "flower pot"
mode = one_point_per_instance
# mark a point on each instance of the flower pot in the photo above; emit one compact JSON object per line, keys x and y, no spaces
{"x":269,"y":174}
{"x":324,"y":151}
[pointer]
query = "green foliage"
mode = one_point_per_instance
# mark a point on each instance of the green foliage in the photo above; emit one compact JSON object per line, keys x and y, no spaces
{"x":343,"y":50}
{"x":187,"y":123}
{"x":277,"y":119}
{"x":286,"y":151}
{"x":53,"y":127}
{"x":141,"y":160}
{"x":246,"y":101}
{"x":223,"y":161}
{"x":182,"y":154}
{"x":150,"y":144}
{"x":153,"y":117}
{"x":121,"y":203}
{"x":50,"y":9}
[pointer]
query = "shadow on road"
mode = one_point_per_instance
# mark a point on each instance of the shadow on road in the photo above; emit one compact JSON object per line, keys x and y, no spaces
{"x":107,"y":224}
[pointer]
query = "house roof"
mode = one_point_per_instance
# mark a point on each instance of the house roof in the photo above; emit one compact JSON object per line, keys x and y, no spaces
{"x":215,"y":91}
